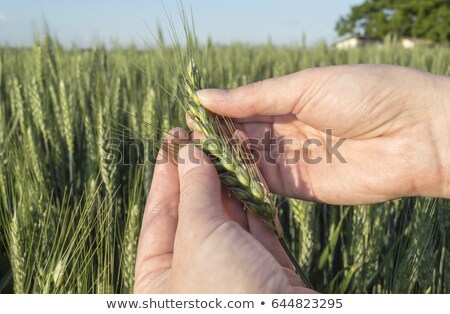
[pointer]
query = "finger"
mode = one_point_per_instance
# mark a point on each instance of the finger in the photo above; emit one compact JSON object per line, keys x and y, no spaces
{"x":200,"y":193}
{"x":234,"y":209}
{"x":160,"y":216}
{"x":276,"y":96}
{"x":268,"y":239}
{"x":197,"y":137}
{"x":232,"y":206}
{"x":287,"y":174}
{"x":189,"y":122}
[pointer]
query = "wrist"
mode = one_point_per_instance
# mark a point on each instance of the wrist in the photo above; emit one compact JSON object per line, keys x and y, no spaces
{"x":440,"y":131}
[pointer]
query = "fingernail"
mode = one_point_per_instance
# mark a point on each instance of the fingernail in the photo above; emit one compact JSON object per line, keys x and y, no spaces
{"x":212,"y":94}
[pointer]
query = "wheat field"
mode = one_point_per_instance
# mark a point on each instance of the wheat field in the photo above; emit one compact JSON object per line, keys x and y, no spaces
{"x":70,"y":213}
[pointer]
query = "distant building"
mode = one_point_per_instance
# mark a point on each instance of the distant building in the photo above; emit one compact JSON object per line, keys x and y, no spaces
{"x":411,"y":42}
{"x":358,"y":41}
{"x":408,"y":43}
{"x":355,"y":41}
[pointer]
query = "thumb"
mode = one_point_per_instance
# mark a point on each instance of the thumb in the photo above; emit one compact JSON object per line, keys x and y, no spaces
{"x":200,"y":191}
{"x":276,"y":96}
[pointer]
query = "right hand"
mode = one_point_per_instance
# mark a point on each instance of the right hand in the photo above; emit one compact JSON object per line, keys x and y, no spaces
{"x":396,"y":121}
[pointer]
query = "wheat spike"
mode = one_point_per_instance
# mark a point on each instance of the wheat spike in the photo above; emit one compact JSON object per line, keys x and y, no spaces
{"x":303,"y":212}
{"x":149,"y":114}
{"x":56,"y":109}
{"x":235,"y":165}
{"x":17,"y":255}
{"x":59,"y":274}
{"x":51,"y":59}
{"x":33,"y":156}
{"x":38,"y":65}
{"x":129,"y":247}
{"x":36,"y":107}
{"x":66,"y":117}
{"x":107,"y":166}
{"x":17,"y":102}
{"x":240,"y":177}
{"x":2,"y":154}
{"x":150,"y":120}
{"x":90,"y":144}
{"x":1,"y":71}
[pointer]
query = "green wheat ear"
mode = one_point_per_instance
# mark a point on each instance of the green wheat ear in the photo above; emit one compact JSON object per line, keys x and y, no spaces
{"x":241,"y":178}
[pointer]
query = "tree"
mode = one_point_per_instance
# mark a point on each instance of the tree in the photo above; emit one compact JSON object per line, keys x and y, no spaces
{"x":428,"y":19}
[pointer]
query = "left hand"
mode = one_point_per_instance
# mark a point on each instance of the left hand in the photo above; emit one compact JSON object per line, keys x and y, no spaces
{"x":195,"y":238}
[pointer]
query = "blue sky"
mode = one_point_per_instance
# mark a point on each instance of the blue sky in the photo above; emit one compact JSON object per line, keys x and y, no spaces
{"x":85,"y":22}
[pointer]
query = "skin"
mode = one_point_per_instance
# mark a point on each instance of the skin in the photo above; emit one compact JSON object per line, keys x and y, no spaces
{"x":197,"y":239}
{"x":396,"y":122}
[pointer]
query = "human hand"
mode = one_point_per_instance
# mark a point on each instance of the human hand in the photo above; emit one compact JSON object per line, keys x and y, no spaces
{"x":195,"y":238}
{"x":396,"y":121}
